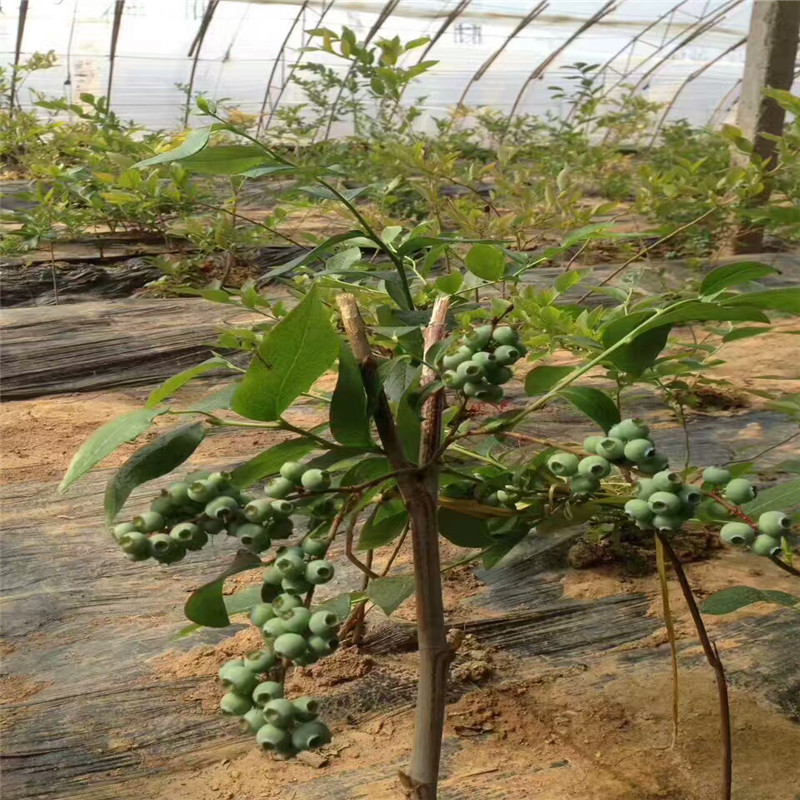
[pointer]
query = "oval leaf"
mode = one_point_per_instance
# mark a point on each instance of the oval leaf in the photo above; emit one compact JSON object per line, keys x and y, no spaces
{"x":270,"y":461}
{"x":349,"y":419}
{"x":597,"y":405}
{"x":390,"y":593}
{"x":171,"y":385}
{"x":541,"y":379}
{"x":463,"y":530}
{"x":486,"y":261}
{"x":787,"y":300}
{"x":733,"y":598}
{"x":194,"y":142}
{"x":384,"y":526}
{"x":734,"y":275}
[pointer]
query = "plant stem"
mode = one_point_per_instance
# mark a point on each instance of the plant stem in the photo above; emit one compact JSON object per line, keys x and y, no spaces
{"x":712,"y":656}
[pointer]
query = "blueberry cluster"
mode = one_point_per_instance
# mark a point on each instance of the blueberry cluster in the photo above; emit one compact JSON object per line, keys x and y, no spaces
{"x":663,"y":502}
{"x":481,"y":364}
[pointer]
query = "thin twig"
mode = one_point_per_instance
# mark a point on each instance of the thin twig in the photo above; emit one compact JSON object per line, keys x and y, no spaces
{"x":784,"y":566}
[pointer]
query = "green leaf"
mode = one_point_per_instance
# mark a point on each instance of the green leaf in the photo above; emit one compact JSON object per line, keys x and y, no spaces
{"x":744,"y":333}
{"x":733,"y":598}
{"x":270,"y":461}
{"x":409,"y":424}
{"x":642,"y":353}
{"x":568,"y":517}
{"x":194,"y":142}
{"x":311,"y":255}
{"x":787,"y":300}
{"x":734,"y":275}
{"x":463,"y":530}
{"x":243,"y":600}
{"x":494,"y":555}
{"x":228,"y":160}
{"x":349,"y":415}
{"x":366,"y":470}
{"x":783,"y":497}
{"x":171,"y":385}
{"x":216,"y":400}
{"x":390,"y":593}
{"x":155,"y":459}
{"x":205,"y":605}
{"x":705,"y":312}
{"x":486,"y":261}
{"x":384,"y":526}
{"x":449,"y":284}
{"x":340,"y":604}
{"x":105,"y":440}
{"x":291,"y":357}
{"x":541,"y":379}
{"x":597,"y":405}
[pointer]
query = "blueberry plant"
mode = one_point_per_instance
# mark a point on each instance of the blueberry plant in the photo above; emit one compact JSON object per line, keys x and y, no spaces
{"x":421,"y":435}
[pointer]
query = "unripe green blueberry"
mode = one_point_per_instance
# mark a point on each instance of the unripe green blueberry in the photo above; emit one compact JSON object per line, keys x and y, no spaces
{"x":643,"y":526}
{"x":315,"y":547}
{"x":737,"y":491}
{"x":136,"y":544}
{"x":273,"y":628}
{"x":282,"y":508}
{"x":476,"y":390}
{"x":258,"y":510}
{"x":774,"y":523}
{"x":222,"y":508}
{"x":667,"y":522}
{"x":691,"y":496}
{"x":737,"y":533}
{"x":260,"y":613}
{"x":295,"y":620}
{"x":505,"y":498}
{"x":281,"y":528}
{"x":323,"y":623}
{"x":219,"y":480}
{"x":471,"y":371}
{"x":148,"y":522}
{"x":290,"y":645}
{"x":319,"y":571}
{"x":507,"y":354}
{"x":583,"y":484}
{"x":266,"y":691}
{"x":718,"y":476}
{"x":505,"y":335}
{"x":202,"y":491}
{"x":610,"y":448}
{"x":651,"y":466}
{"x":228,"y":665}
{"x":639,"y":509}
{"x":498,"y":375}
{"x":292,"y":471}
{"x":164,"y":505}
{"x":590,"y":444}
{"x":324,"y":507}
{"x":273,"y":576}
{"x":295,"y":584}
{"x":279,"y":488}
{"x":665,"y":503}
{"x":453,"y":361}
{"x":452,"y":380}
{"x":644,"y":488}
{"x":179,"y":492}
{"x":490,"y":499}
{"x":261,"y":542}
{"x":305,"y":708}
{"x":280,"y":713}
{"x":667,"y":481}
{"x":480,"y":337}
{"x":118,"y":531}
{"x":594,"y":466}
{"x":260,"y":660}
{"x":486,"y":360}
{"x":248,"y":533}
{"x":274,"y":739}
{"x":210,"y":526}
{"x":240,"y":680}
{"x":630,"y":429}
{"x":638,"y":450}
{"x":310,"y":735}
{"x":315,"y":480}
{"x":290,"y":565}
{"x":766,"y":545}
{"x":285,"y":602}
{"x":234,"y":704}
{"x":323,"y":645}
{"x":563,"y":464}
{"x":165,"y":549}
{"x":253,"y":720}
{"x":717,"y":510}
{"x":183,"y":533}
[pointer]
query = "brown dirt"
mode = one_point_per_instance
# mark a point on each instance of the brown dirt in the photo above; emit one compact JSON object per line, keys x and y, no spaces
{"x":18,"y":688}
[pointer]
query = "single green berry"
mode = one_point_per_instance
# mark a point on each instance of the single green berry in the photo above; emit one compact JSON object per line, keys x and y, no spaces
{"x":290,"y":645}
{"x":202,"y":492}
{"x":280,"y":713}
{"x":590,"y":444}
{"x":650,"y":466}
{"x":563,"y":464}
{"x":505,"y":335}
{"x":323,"y":645}
{"x":292,"y":471}
{"x":638,"y":450}
{"x":319,"y":571}
{"x":453,"y":361}
{"x":260,"y":661}
{"x":310,"y":735}
{"x":273,"y":739}
{"x":210,"y":526}
{"x":667,"y":522}
{"x":273,"y":628}
{"x":665,"y":503}
{"x":118,"y":531}
{"x":452,"y":380}
{"x":219,"y":480}
{"x":315,"y":547}
{"x":486,"y":360}
{"x":305,"y":708}
{"x":253,"y":720}
{"x":315,"y":480}
{"x":737,"y":533}
{"x":222,"y":508}
{"x":639,"y":509}
{"x":506,"y":498}
{"x":228,"y":665}
{"x":290,"y":565}
{"x":273,"y":576}
{"x":610,"y":448}
{"x":164,"y":505}
{"x":286,"y":602}
{"x":471,"y":371}
{"x":295,"y":620}
{"x":279,"y":488}
{"x":249,"y":533}
{"x":691,"y":496}
{"x":480,"y":337}
{"x":324,"y":507}
{"x":183,"y":532}
{"x":506,"y":354}
{"x":148,"y":522}
{"x":260,"y":613}
{"x":266,"y":691}
{"x":136,"y":544}
{"x":583,"y":484}
{"x":716,"y":510}
{"x":240,"y":680}
{"x":234,"y":704}
{"x":667,"y":481}
{"x":476,"y":390}
{"x":258,"y":510}
{"x":282,"y":508}
{"x":738,"y":491}
{"x":165,"y":549}
{"x":594,"y":466}
{"x":323,"y":623}
{"x":766,"y":545}
{"x":179,"y":492}
{"x":644,"y":488}
{"x":630,"y":429}
{"x":717,"y":476}
{"x":295,"y":584}
{"x":498,"y":375}
{"x":774,"y":523}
